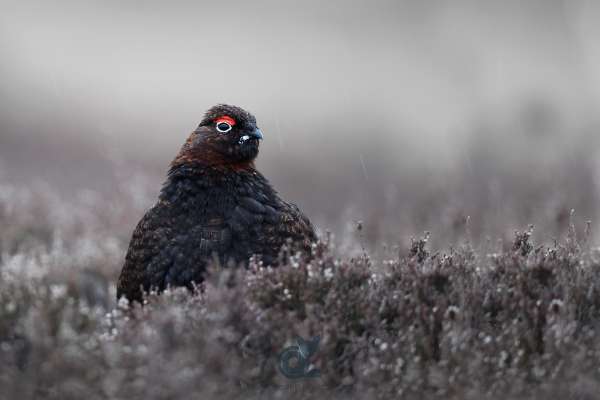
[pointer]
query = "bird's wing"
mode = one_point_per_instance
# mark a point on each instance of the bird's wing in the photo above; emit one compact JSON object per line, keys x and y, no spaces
{"x":262,"y":223}
{"x":147,"y":258}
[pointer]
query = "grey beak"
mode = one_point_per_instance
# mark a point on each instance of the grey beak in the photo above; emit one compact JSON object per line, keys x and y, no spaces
{"x":257,"y":134}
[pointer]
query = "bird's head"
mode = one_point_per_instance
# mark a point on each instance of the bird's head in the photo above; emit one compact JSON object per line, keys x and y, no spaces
{"x":227,"y":136}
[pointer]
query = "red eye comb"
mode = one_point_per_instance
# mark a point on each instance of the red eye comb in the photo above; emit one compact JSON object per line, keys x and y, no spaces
{"x":227,"y":119}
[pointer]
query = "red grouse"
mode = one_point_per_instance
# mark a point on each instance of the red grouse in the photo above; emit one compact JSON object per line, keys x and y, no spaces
{"x":214,"y":204}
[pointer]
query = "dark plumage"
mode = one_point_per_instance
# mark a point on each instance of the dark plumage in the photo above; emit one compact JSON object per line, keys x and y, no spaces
{"x":214,"y":203}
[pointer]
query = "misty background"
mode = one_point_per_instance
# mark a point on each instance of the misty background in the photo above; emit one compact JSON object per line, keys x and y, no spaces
{"x":406,"y":115}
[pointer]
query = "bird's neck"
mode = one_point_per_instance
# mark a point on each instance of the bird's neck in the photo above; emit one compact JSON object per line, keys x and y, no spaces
{"x":198,"y":177}
{"x":200,"y":168}
{"x":204,"y":157}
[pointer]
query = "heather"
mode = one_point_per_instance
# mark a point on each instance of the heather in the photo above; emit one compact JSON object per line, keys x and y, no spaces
{"x":514,"y":317}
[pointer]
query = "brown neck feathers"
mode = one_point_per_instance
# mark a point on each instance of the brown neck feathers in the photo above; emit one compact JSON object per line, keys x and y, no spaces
{"x":203,"y":156}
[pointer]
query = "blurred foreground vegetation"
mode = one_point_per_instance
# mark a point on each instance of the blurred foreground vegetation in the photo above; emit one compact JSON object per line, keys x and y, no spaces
{"x":497,"y":319}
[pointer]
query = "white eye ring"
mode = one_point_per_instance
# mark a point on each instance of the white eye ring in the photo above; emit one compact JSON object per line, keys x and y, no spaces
{"x":225,"y":130}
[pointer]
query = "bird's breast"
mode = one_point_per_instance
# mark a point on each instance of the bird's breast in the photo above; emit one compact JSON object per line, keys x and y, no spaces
{"x":212,"y":237}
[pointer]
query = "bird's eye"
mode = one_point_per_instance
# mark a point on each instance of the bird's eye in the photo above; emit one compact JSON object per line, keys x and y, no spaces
{"x":223,"y":127}
{"x":224,"y":123}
